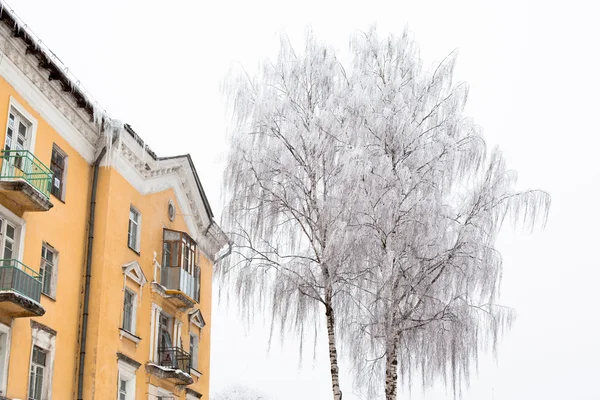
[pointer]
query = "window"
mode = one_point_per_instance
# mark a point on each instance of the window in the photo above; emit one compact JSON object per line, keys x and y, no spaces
{"x":8,"y":239}
{"x":58,"y":165}
{"x":194,"y":351}
{"x":122,"y":389}
{"x":48,"y":270}
{"x":133,"y":239}
{"x":126,"y":381}
{"x":17,"y":137}
{"x":42,"y":362}
{"x":129,"y":311}
{"x":4,"y":356}
{"x":37,"y":373}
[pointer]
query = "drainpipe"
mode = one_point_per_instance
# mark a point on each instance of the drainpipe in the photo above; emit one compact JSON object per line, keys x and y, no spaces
{"x":88,"y":272}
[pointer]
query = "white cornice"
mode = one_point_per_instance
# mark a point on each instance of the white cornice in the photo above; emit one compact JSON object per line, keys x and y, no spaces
{"x":146,"y":174}
{"x":21,"y":70}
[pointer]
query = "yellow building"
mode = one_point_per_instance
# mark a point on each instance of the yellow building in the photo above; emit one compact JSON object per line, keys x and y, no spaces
{"x":107,"y":249}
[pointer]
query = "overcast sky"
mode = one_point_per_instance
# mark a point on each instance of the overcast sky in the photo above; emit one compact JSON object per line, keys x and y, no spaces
{"x":533,"y":69}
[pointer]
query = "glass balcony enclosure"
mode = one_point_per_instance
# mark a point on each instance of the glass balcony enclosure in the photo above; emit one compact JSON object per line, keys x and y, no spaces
{"x":179,"y":271}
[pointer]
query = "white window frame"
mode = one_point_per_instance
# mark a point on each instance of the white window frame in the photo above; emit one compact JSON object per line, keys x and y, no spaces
{"x":17,"y":108}
{"x":194,"y":355}
{"x":4,"y":358}
{"x":47,"y":342}
{"x":126,"y":373}
{"x":134,"y":299}
{"x":138,"y":224}
{"x":63,"y":189}
{"x":20,"y":225}
{"x":54,"y":278}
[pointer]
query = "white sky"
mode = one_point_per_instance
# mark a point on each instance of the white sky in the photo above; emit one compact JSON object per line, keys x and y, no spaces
{"x":533,"y":68}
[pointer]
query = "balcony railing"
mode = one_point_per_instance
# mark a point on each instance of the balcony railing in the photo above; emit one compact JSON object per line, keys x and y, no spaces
{"x":22,"y":164}
{"x":19,"y":278}
{"x":174,"y":358}
{"x":176,"y":278}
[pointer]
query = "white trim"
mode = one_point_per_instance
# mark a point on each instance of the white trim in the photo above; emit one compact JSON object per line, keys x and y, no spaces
{"x":133,"y":310}
{"x":13,"y":103}
{"x":49,"y":112}
{"x":196,"y":318}
{"x":46,"y":342}
{"x":138,"y":227}
{"x":20,"y":232}
{"x":197,"y":348}
{"x":5,"y":329}
{"x":195,"y":372}
{"x":156,"y":310}
{"x":128,"y":335}
{"x":133,"y":271}
{"x":126,"y":373}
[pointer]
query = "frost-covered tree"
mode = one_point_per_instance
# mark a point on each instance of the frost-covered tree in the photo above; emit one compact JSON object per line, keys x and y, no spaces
{"x":431,"y":205}
{"x":362,"y":194}
{"x":289,"y":183}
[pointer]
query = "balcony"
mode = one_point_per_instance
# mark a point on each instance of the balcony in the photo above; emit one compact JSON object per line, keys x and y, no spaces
{"x":179,"y":275}
{"x":182,"y":286}
{"x":25,"y":180}
{"x":20,"y":290}
{"x":173,"y":364}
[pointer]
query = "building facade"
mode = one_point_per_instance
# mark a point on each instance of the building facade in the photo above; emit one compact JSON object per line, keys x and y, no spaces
{"x":107,"y":249}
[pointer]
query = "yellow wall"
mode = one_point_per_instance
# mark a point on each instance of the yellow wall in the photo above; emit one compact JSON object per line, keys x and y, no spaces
{"x":65,"y":228}
{"x":110,"y":253}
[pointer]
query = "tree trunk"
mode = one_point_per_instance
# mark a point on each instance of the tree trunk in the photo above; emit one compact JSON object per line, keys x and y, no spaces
{"x":391,"y":369}
{"x":333,"y":360}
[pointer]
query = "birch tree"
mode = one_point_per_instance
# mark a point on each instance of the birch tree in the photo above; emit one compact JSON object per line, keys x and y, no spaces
{"x":431,"y":205}
{"x":362,"y":195}
{"x":289,"y":186}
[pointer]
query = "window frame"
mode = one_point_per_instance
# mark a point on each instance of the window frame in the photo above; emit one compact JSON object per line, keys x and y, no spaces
{"x":7,"y":216}
{"x":5,"y":330}
{"x":133,"y":310}
{"x":47,"y":343}
{"x":126,"y":372}
{"x":16,"y":108}
{"x":63,"y":179}
{"x":194,"y":354}
{"x":54,"y":276}
{"x":138,"y":225}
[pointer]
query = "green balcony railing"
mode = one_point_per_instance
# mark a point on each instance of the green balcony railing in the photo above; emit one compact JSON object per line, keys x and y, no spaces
{"x":22,"y":164}
{"x":18,"y":277}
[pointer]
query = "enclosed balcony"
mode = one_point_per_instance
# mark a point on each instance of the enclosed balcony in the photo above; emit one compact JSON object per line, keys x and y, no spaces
{"x":25,"y":180}
{"x":180,"y":276}
{"x":173,"y":364}
{"x":20,"y":290}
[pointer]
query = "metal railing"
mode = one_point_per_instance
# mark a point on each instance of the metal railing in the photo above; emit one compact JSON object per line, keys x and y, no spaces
{"x":175,"y":358}
{"x":22,"y":164}
{"x":177,"y":278}
{"x":18,"y":277}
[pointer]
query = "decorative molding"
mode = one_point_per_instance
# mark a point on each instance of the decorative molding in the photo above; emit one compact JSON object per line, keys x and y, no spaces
{"x":42,"y":327}
{"x":134,"y":271}
{"x":128,"y":335}
{"x":128,"y":360}
{"x":196,"y":318}
{"x":60,"y":106}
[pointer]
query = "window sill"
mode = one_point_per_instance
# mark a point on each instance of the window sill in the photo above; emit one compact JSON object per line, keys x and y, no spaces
{"x":134,"y":250}
{"x":195,"y":372}
{"x":128,"y":335}
{"x":53,"y":298}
